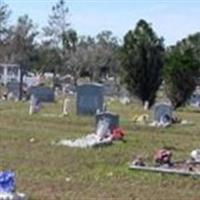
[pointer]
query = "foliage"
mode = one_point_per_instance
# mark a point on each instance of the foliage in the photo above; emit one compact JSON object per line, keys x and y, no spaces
{"x":105,"y":59}
{"x":100,"y":58}
{"x":22,"y":46}
{"x":4,"y":16}
{"x":47,"y":58}
{"x":91,"y":56}
{"x":142,"y":62}
{"x":182,"y":69}
{"x":4,"y":30}
{"x":61,"y":49}
{"x":57,"y":33}
{"x":22,"y":42}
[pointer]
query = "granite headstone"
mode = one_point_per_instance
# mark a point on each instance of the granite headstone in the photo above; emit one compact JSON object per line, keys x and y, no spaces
{"x":43,"y":94}
{"x":89,"y":99}
{"x":111,"y":118}
{"x":161,"y":110}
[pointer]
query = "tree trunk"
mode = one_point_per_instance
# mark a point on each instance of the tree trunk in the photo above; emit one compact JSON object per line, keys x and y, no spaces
{"x":21,"y":82}
{"x":55,"y":72}
{"x":54,"y":80}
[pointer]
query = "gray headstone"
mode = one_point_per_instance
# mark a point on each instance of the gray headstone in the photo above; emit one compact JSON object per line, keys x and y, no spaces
{"x":43,"y":94}
{"x":14,"y":88}
{"x":162,"y":110}
{"x":34,"y":105}
{"x":111,"y":118}
{"x":89,"y":99}
{"x":34,"y":101}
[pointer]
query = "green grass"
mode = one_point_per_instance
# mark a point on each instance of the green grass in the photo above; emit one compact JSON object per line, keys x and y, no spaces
{"x":100,"y":173}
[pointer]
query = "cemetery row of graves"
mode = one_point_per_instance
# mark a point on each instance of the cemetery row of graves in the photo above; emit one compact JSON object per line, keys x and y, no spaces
{"x":60,"y":139}
{"x":91,"y":146}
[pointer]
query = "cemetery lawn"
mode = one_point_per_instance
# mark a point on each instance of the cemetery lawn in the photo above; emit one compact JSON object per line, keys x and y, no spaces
{"x":48,"y":172}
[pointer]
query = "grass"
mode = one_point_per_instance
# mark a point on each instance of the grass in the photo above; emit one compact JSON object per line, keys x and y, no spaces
{"x":47,"y":172}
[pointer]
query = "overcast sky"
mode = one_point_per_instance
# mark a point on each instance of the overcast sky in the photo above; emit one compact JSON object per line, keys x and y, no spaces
{"x":172,"y":19}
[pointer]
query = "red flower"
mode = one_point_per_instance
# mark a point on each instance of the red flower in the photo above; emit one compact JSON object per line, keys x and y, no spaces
{"x":117,"y":134}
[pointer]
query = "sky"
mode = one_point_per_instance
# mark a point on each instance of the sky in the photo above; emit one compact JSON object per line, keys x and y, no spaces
{"x":171,"y":19}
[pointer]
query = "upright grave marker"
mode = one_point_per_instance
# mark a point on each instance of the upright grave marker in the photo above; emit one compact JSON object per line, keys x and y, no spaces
{"x":89,"y":99}
{"x":195,"y":100}
{"x":163,"y":111}
{"x":43,"y":94}
{"x":111,"y":118}
{"x":13,"y":89}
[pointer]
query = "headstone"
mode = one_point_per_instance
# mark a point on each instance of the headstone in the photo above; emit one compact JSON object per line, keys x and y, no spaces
{"x":161,"y":111}
{"x":34,"y":105}
{"x":111,"y":118}
{"x":13,"y":90}
{"x":65,"y":107}
{"x":102,"y":128}
{"x":43,"y":94}
{"x":195,"y":100}
{"x":146,"y":105}
{"x":89,"y":99}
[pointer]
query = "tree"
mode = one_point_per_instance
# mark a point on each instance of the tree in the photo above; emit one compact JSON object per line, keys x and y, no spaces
{"x":83,"y":57}
{"x":47,"y":58}
{"x":91,"y":56}
{"x":57,"y":32}
{"x":105,"y":55}
{"x":99,"y":55}
{"x":75,"y":57}
{"x":4,"y":29}
{"x":182,"y":69}
{"x":22,"y":45}
{"x":142,"y":62}
{"x":4,"y":16}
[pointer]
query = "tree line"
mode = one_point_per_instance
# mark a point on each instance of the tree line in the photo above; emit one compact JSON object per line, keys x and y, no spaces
{"x":141,"y":61}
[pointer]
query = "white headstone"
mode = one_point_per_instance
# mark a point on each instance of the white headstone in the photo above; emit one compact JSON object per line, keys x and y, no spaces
{"x":66,"y":107}
{"x":146,"y":105}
